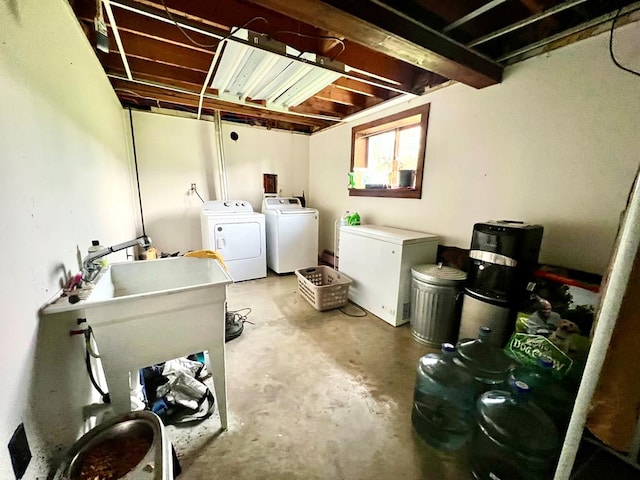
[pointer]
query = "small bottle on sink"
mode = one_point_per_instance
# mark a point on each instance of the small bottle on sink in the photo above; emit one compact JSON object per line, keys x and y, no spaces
{"x":95,"y":247}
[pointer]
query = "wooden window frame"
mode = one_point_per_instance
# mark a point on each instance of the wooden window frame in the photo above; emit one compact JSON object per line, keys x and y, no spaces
{"x":399,"y":192}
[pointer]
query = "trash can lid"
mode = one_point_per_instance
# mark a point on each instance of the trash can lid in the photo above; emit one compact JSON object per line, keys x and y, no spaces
{"x":438,"y":274}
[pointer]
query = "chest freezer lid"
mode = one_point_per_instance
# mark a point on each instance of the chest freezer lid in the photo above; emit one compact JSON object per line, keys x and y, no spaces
{"x":396,"y":236}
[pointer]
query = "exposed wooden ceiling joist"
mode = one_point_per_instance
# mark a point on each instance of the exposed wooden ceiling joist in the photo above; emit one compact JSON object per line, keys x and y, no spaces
{"x":388,"y":47}
{"x":190,"y":99}
{"x":391,"y":33}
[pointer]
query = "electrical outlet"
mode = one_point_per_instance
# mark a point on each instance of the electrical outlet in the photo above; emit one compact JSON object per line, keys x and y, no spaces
{"x":19,"y":451}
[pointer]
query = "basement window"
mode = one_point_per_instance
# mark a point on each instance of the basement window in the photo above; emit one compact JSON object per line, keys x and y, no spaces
{"x":387,"y":155}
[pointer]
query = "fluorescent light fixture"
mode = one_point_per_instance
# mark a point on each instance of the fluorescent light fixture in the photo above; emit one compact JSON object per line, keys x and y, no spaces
{"x":283,"y":78}
{"x":314,"y":81}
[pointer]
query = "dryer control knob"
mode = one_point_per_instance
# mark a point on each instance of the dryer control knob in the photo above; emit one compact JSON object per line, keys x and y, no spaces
{"x":227,"y":204}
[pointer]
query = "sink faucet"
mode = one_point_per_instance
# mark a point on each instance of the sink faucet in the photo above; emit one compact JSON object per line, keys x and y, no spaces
{"x":90,"y":269}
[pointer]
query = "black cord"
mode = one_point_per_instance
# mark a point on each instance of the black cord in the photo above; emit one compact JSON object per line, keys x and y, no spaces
{"x":239,"y":317}
{"x":87,"y":360}
{"x":194,"y":189}
{"x":329,"y":37}
{"x":363,"y":312}
{"x":201,"y":44}
{"x":613,"y":57}
{"x":135,"y":160}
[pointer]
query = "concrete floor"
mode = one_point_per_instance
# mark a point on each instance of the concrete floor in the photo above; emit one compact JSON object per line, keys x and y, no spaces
{"x":313,"y":396}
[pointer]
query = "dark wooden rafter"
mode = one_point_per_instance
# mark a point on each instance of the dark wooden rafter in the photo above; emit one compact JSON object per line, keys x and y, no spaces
{"x":159,"y":52}
{"x":341,"y":96}
{"x":167,"y":57}
{"x":304,"y":36}
{"x":379,"y":28}
{"x":136,"y":90}
{"x":319,"y":106}
{"x":402,"y":42}
{"x":281,"y":28}
{"x":361,"y":88}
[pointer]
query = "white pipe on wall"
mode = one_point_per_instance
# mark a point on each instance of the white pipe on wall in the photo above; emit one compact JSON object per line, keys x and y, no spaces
{"x":222,"y":169}
{"x":625,"y":252}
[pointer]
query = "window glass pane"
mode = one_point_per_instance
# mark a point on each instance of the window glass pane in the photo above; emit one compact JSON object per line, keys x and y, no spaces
{"x":387,"y":155}
{"x":380,"y":154}
{"x":408,"y":148}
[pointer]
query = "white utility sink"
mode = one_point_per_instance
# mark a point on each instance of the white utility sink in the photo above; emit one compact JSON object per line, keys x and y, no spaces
{"x":147,"y":312}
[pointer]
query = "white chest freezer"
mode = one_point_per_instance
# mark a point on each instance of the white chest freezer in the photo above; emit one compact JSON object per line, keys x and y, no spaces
{"x":379,"y":260}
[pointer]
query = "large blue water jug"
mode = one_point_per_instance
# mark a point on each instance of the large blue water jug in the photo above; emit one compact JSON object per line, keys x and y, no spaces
{"x":443,"y":402}
{"x":548,"y":392}
{"x":514,"y":438}
{"x":486,"y":362}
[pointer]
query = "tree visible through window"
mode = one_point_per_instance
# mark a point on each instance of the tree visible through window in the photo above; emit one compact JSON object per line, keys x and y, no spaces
{"x":388,"y":155}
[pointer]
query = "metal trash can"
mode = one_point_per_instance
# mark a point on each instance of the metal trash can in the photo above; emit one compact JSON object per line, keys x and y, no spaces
{"x":436,"y":295}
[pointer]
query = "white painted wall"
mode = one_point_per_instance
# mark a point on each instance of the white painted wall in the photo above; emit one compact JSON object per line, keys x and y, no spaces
{"x":65,"y":180}
{"x":556,"y":144}
{"x":259,"y":151}
{"x":174,"y":152}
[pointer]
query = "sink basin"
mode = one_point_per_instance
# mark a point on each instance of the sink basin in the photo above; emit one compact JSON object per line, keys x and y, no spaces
{"x":147,"y":312}
{"x":134,"y":280}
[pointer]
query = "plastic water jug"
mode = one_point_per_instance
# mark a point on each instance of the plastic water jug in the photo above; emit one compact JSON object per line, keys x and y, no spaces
{"x":514,"y":438}
{"x":443,"y":402}
{"x":487,"y":363}
{"x":547,"y":391}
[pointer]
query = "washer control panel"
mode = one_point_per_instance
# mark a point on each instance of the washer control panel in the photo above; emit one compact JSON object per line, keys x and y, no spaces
{"x":227,"y":206}
{"x":281,"y":203}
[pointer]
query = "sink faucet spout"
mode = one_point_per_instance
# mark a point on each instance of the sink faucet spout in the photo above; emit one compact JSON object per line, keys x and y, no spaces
{"x":90,"y":269}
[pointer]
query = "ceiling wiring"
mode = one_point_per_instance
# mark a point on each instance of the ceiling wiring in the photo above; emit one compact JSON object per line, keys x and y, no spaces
{"x":613,"y":57}
{"x":328,"y":37}
{"x":184,"y":31}
{"x":136,"y":94}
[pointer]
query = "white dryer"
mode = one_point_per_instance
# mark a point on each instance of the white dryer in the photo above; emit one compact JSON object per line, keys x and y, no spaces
{"x":236,"y":232}
{"x":292,"y":234}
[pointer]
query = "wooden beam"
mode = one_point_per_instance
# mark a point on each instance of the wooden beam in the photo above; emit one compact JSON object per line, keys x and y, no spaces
{"x":156,"y":72}
{"x":361,"y":88}
{"x":124,"y":88}
{"x":315,"y":105}
{"x":280,"y":27}
{"x":332,"y":93}
{"x":393,"y":34}
{"x":155,"y":50}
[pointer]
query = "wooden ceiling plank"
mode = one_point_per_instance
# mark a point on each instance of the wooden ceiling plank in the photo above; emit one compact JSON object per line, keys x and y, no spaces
{"x":282,"y":28}
{"x":191,"y":99}
{"x":157,"y":72}
{"x":332,"y":93}
{"x":139,"y":24}
{"x":471,"y":15}
{"x":390,"y":33}
{"x":527,"y":21}
{"x":325,"y":107}
{"x":160,"y":51}
{"x":361,"y":88}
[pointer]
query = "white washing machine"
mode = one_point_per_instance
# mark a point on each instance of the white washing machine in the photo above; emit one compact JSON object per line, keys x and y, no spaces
{"x":292,"y":234}
{"x":236,"y":232}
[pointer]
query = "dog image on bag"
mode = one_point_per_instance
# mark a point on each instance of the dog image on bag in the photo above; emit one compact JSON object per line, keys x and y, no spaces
{"x":562,"y":336}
